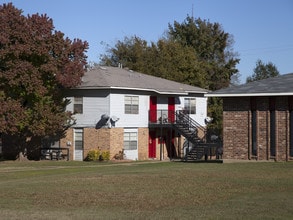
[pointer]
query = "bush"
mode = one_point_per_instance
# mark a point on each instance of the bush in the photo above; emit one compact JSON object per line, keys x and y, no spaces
{"x":105,"y":155}
{"x":93,"y":155}
{"x":97,"y":155}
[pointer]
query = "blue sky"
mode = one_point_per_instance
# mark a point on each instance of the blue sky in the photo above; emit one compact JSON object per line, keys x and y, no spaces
{"x":262,"y":29}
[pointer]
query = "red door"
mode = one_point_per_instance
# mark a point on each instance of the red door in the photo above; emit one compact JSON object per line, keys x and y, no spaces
{"x":171,"y":109}
{"x":152,"y":144}
{"x":153,"y":109}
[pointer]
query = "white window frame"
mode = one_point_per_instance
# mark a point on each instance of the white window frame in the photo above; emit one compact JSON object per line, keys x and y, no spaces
{"x":78,"y":139}
{"x":190,"y":105}
{"x":130,"y":140}
{"x":78,"y":105}
{"x":131,"y":104}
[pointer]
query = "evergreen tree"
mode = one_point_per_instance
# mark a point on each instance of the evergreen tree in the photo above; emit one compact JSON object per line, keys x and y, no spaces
{"x":195,"y":52}
{"x":212,"y":47}
{"x":263,"y":71}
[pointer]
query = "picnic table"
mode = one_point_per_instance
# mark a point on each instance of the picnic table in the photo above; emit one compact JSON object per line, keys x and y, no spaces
{"x":51,"y":153}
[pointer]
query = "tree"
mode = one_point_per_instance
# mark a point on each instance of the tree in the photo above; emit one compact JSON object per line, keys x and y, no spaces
{"x":263,"y":71}
{"x":37,"y":63}
{"x":194,"y":52}
{"x":212,"y":46}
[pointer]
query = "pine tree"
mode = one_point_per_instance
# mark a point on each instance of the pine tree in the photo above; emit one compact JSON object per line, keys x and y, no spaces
{"x":263,"y":71}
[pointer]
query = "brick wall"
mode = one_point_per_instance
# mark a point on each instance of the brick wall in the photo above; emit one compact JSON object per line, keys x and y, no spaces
{"x":106,"y":140}
{"x":143,"y":143}
{"x":282,"y":128}
{"x":263,"y":128}
{"x":103,"y":139}
{"x":68,"y":142}
{"x":237,"y":128}
{"x":116,"y":141}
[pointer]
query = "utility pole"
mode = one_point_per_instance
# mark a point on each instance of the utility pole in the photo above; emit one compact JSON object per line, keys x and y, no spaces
{"x":192,"y":11}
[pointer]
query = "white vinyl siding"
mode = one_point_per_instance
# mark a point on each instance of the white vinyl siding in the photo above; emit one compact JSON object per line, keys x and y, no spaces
{"x":93,"y":109}
{"x":129,"y":120}
{"x":97,"y":103}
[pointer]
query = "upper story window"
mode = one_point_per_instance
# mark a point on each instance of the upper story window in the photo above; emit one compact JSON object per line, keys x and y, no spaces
{"x":190,"y":105}
{"x":131,"y":104}
{"x":78,"y":105}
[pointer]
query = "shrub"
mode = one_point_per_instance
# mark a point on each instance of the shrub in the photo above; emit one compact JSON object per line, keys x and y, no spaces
{"x":93,"y":155}
{"x":97,"y":155}
{"x":105,"y":155}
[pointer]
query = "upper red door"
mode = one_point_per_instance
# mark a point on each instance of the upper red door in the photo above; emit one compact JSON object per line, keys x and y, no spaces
{"x":171,"y":109}
{"x":153,"y":109}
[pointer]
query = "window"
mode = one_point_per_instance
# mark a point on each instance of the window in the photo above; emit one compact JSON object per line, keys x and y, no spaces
{"x":78,"y":139}
{"x":190,"y":105}
{"x":78,"y":105}
{"x":131,"y":104}
{"x":130,"y":140}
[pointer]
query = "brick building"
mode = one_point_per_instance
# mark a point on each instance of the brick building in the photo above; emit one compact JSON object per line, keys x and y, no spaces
{"x":258,"y":119}
{"x":117,"y":109}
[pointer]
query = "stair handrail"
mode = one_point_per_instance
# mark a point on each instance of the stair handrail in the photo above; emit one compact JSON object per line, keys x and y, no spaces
{"x":184,"y":119}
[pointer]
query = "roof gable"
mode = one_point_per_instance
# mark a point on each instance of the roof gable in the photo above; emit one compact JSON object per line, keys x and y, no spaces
{"x":274,"y":86}
{"x":117,"y":78}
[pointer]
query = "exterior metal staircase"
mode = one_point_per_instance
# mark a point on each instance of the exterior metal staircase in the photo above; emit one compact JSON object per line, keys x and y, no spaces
{"x":198,"y":144}
{"x":194,"y":133}
{"x":189,"y":128}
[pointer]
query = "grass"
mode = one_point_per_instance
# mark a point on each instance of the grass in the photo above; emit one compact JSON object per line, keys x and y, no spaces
{"x":145,"y":190}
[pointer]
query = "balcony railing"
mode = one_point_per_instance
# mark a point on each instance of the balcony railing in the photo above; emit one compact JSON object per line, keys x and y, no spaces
{"x":161,"y":116}
{"x":180,"y":120}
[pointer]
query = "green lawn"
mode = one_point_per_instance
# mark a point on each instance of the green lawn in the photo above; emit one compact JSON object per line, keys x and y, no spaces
{"x":146,"y":190}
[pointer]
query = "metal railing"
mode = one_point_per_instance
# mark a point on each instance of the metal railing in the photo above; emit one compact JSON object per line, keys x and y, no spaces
{"x":185,"y":121}
{"x":190,"y":129}
{"x":181,"y":120}
{"x":161,"y":117}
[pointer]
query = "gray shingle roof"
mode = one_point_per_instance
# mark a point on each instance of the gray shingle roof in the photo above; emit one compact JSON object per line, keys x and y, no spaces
{"x":117,"y":78}
{"x":276,"y":86}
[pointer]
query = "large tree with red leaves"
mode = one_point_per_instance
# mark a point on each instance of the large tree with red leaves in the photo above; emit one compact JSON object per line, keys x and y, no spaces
{"x":37,"y":63}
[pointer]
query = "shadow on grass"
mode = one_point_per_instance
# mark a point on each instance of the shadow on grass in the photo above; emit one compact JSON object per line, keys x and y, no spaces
{"x":198,"y":161}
